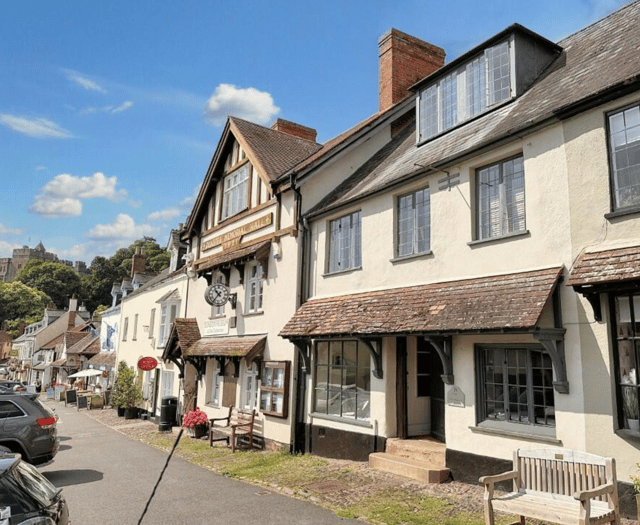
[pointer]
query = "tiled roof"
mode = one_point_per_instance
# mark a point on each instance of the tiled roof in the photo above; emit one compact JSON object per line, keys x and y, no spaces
{"x":164,"y":275}
{"x":606,"y":267}
{"x":597,"y":60}
{"x":59,"y":362}
{"x":187,"y":330}
{"x":52,"y":344}
{"x":103,"y":359}
{"x":86,"y":346}
{"x":171,"y":295}
{"x":511,"y":301}
{"x":275,"y":151}
{"x":72,"y":338}
{"x":249,"y":250}
{"x":248,"y":347}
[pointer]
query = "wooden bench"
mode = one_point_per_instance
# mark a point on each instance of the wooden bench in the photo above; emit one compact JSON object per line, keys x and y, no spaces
{"x":238,"y":423}
{"x":556,"y":485}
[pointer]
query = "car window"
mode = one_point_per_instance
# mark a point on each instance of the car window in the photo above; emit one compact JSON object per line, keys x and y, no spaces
{"x":44,"y":408}
{"x":39,"y":487}
{"x":9,"y":409}
{"x":12,"y":496}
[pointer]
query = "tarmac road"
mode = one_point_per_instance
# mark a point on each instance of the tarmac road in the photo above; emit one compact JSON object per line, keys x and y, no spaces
{"x":107,"y":479}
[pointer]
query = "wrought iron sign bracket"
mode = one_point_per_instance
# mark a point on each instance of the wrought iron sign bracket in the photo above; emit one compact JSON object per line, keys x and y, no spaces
{"x":443,"y":346}
{"x":179,"y":363}
{"x":553,"y":341}
{"x":374,"y":345}
{"x":303,"y":346}
{"x":200,"y":364}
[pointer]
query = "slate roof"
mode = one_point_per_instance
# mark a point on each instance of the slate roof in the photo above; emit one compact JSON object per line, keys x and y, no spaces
{"x":502,"y":302}
{"x":600,"y":61}
{"x":275,"y":151}
{"x":606,"y":267}
{"x":158,"y":279}
{"x":248,"y":347}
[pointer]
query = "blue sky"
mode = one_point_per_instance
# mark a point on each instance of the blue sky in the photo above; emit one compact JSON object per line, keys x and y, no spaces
{"x":111,"y":111}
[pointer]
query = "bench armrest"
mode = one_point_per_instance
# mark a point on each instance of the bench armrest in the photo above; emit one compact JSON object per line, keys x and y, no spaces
{"x":512,"y":474}
{"x":601,"y":490}
{"x":236,"y":425}
{"x":219,"y":419}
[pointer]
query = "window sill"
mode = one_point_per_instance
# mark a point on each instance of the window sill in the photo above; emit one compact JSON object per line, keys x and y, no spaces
{"x":627,"y":434}
{"x":529,"y":433}
{"x":338,"y":419}
{"x":212,"y":405}
{"x":508,"y":237}
{"x":411,"y":257}
{"x":339,"y":272}
{"x":622,"y":213}
{"x":253,"y":314}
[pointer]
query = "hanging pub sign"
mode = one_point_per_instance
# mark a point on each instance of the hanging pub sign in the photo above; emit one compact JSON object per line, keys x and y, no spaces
{"x":147,"y":363}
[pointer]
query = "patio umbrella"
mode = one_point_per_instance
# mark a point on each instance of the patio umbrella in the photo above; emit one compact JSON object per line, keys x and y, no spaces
{"x":87,"y":373}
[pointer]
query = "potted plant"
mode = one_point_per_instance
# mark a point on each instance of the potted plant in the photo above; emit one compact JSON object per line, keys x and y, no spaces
{"x":630,"y":402}
{"x":115,"y":393}
{"x":196,"y":423}
{"x":129,"y":392}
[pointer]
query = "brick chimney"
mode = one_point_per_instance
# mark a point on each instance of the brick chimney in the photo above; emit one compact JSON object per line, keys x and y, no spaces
{"x":403,"y":60}
{"x":294,"y":129}
{"x":138,"y":262}
{"x":72,"y":319}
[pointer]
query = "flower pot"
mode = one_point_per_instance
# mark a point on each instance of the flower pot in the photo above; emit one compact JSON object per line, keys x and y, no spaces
{"x":120,"y":411}
{"x":196,"y":432}
{"x":131,"y":412}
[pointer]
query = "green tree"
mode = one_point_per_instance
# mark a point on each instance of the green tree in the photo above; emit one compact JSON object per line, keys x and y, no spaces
{"x":59,"y":281}
{"x":19,"y":303}
{"x":157,"y":258}
{"x":97,"y":285}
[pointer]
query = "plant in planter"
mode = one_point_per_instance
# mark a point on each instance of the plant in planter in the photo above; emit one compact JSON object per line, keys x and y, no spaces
{"x":115,"y":393}
{"x":196,"y":423}
{"x":630,"y":404}
{"x":128,"y":392}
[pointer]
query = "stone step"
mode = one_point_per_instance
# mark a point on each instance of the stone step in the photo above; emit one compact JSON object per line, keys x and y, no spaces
{"x":424,"y":449}
{"x":423,"y":471}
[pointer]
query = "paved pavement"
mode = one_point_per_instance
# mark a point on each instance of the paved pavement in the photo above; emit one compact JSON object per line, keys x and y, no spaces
{"x":107,"y":479}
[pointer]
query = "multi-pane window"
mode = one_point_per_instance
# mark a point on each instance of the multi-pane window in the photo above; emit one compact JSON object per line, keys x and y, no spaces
{"x":342,"y":379}
{"x":168,"y":312}
{"x":235,"y":192}
{"x":414,"y":228}
{"x":135,"y":327}
{"x":627,"y":330}
{"x":215,"y":387}
{"x":345,"y":243}
{"x":516,"y":385}
{"x":254,"y":287}
{"x":500,"y":199}
{"x":274,"y":388}
{"x":469,"y":90}
{"x":624,"y":146}
{"x":125,"y":328}
{"x":152,"y":319}
{"x":250,"y":388}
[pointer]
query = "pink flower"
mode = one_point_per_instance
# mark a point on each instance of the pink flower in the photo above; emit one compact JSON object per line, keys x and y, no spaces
{"x":195,"y":418}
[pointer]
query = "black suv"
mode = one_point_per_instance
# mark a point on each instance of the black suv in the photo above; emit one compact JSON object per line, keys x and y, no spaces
{"x":28,"y":427}
{"x":26,"y":496}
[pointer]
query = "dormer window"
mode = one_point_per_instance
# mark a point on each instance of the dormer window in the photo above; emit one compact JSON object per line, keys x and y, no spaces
{"x":473,"y":87}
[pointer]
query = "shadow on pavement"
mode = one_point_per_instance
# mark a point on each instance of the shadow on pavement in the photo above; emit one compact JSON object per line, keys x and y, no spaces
{"x":64,"y":447}
{"x":64,"y":478}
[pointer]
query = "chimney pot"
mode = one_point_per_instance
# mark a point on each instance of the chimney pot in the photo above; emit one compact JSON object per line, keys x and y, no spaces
{"x":403,"y":60}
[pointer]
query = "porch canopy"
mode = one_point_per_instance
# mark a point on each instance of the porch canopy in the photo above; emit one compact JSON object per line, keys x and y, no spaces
{"x":248,"y":347}
{"x":605,"y":271}
{"x":501,"y":303}
{"x":257,"y":250}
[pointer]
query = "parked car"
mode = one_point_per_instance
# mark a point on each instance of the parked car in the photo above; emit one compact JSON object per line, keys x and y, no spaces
{"x":27,"y":497}
{"x":10,"y":386}
{"x":28,"y":427}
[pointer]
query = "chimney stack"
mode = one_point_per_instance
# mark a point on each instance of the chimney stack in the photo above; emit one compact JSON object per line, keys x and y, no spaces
{"x":138,"y":262}
{"x":403,"y":60}
{"x":73,"y":303}
{"x":294,"y":129}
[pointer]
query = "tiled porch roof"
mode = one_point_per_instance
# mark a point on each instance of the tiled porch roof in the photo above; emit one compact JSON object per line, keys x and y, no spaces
{"x":248,"y":347}
{"x":502,"y":302}
{"x":606,"y":267}
{"x":255,"y":250}
{"x":103,"y":359}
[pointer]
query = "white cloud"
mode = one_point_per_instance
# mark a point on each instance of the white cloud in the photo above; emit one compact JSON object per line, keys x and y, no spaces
{"x":40,"y":128}
{"x":164,"y":215}
{"x":123,"y":229}
{"x":189,"y":201}
{"x":250,"y":104}
{"x":135,"y":203}
{"x":6,"y":248}
{"x":10,"y":231}
{"x":62,"y":196}
{"x":56,"y":208}
{"x":40,"y":168}
{"x":111,"y":110}
{"x":83,"y":81}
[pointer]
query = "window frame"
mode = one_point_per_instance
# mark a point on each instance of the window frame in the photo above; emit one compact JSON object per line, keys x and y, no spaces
{"x":414,"y":227}
{"x":340,"y":366}
{"x":622,"y":401}
{"x":250,"y":387}
{"x":613,"y":174}
{"x":503,"y":204}
{"x":165,"y":327}
{"x":256,"y":307}
{"x":125,"y":328}
{"x":239,"y":198}
{"x":216,"y":383}
{"x":482,"y":411}
{"x":335,"y":244}
{"x":268,"y":388}
{"x":134,"y":337}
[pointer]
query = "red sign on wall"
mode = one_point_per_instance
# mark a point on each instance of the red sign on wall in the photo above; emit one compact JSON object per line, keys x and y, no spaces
{"x":147,"y":363}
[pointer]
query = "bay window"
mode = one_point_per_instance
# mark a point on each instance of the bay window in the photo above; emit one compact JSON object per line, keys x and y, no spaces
{"x":627,"y":358}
